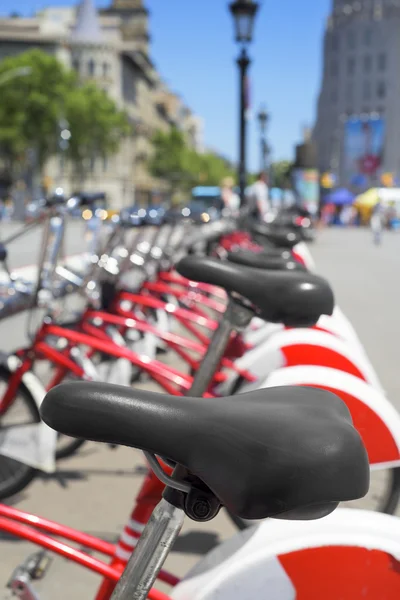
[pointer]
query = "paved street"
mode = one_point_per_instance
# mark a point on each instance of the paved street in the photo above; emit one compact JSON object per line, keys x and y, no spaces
{"x":94,"y":490}
{"x":25,"y":250}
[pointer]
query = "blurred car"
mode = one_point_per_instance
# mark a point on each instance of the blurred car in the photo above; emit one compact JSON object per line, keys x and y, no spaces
{"x":196,"y":211}
{"x":132,"y":215}
{"x":155,"y":214}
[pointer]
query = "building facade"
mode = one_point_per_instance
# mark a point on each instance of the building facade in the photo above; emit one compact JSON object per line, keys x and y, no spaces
{"x":111,"y":48}
{"x":358,"y":116}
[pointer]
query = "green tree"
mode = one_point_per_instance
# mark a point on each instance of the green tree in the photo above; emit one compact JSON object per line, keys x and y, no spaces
{"x":280,"y":172}
{"x":209,"y":168}
{"x":170,"y":160}
{"x":97,"y":126}
{"x":32,"y":105}
{"x":182,"y":167}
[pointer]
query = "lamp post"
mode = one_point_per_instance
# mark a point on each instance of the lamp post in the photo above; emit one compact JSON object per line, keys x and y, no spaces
{"x":244,"y":13}
{"x":263,"y":119}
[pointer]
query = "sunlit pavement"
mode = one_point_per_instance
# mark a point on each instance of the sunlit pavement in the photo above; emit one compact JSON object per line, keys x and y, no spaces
{"x":94,"y":491}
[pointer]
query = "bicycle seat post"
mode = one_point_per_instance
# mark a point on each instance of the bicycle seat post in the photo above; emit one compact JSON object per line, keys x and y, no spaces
{"x":150,"y":553}
{"x":235,"y":318}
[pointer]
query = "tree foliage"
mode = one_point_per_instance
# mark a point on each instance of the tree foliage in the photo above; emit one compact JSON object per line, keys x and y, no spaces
{"x":182,"y":166}
{"x":280,"y":172}
{"x":169,"y":159}
{"x":32,"y":105}
{"x":95,"y":124}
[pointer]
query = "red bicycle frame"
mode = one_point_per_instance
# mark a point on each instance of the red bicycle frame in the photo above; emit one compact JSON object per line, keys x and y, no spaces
{"x":35,"y":529}
{"x":40,"y":531}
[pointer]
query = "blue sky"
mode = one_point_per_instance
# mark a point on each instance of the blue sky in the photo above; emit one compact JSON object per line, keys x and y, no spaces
{"x":194,"y":48}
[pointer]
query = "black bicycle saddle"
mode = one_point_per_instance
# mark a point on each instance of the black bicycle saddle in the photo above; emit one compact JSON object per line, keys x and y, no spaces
{"x":295,"y":299}
{"x":264,"y":260}
{"x":262,"y":454}
{"x":280,"y":237}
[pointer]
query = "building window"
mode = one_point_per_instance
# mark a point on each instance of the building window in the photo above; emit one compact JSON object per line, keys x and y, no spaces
{"x":76,"y":65}
{"x":106,"y":69}
{"x":349,"y":94}
{"x":351,"y":66}
{"x":105,"y":164}
{"x":367,"y":90}
{"x":91,"y":67}
{"x":368,"y":37}
{"x":367,"y":64}
{"x":335,"y":42}
{"x":351,"y":40}
{"x":381,"y":89}
{"x":334,"y":68}
{"x":382,"y":60}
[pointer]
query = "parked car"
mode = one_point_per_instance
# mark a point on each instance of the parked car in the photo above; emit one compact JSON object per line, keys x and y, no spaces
{"x":155,"y":214}
{"x":133,"y":215}
{"x":198,"y":212}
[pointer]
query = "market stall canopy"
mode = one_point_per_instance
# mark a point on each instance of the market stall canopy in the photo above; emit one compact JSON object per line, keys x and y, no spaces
{"x":387,"y":196}
{"x":368,"y":199}
{"x":340,"y":197}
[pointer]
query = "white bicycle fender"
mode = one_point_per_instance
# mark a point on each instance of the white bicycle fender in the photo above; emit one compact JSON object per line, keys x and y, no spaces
{"x":302,"y":250}
{"x":270,"y":560}
{"x":35,"y":444}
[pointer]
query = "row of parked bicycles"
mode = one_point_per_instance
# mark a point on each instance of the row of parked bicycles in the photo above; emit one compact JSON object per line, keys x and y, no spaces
{"x":275,"y":413}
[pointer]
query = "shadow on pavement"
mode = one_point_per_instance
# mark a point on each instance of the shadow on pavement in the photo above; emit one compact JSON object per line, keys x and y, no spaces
{"x":14,"y":500}
{"x":63,"y":477}
{"x":196,"y":542}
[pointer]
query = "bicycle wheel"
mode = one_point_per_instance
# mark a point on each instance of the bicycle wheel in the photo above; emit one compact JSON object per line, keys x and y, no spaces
{"x":383,"y":496}
{"x":15,"y":475}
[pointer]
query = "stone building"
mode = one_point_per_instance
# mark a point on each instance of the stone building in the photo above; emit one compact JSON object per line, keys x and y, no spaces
{"x":360,"y":88}
{"x":113,"y":49}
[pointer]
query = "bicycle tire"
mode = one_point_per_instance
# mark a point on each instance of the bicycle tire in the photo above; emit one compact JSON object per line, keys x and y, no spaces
{"x":388,"y":506}
{"x":20,"y":475}
{"x":68,"y":448}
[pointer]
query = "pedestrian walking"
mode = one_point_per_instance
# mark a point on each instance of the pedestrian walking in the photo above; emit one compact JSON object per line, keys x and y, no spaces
{"x":377,"y":223}
{"x":229,"y":197}
{"x":258,"y":198}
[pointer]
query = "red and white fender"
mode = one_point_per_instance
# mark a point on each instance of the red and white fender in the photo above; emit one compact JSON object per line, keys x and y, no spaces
{"x":351,"y":555}
{"x":294,"y":347}
{"x":302,"y":253}
{"x":377,"y":421}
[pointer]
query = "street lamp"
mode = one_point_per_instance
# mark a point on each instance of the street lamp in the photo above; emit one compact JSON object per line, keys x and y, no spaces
{"x":263,"y":118}
{"x":244,"y":13}
{"x":14,"y":73}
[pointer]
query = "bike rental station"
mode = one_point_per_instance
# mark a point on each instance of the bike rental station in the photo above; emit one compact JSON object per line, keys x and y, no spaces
{"x":275,"y":415}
